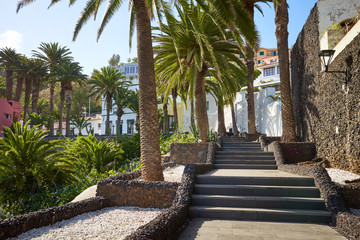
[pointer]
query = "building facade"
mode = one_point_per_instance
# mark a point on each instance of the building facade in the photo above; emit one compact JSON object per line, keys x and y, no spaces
{"x":128,"y":120}
{"x":10,"y":111}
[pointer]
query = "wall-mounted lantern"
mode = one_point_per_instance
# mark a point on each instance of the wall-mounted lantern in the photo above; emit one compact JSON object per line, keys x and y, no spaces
{"x":326,"y":56}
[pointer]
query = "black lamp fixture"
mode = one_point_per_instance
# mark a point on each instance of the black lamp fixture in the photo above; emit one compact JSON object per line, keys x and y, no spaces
{"x":326,"y":56}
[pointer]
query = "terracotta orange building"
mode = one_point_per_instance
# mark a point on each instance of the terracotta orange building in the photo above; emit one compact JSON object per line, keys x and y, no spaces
{"x":10,"y":111}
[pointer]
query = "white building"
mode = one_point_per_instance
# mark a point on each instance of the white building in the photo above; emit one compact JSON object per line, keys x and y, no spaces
{"x":267,"y":110}
{"x":127,"y":123}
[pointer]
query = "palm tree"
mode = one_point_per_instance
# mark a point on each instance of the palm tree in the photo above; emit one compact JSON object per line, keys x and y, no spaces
{"x":191,"y":52}
{"x":8,"y":57}
{"x":105,"y":83}
{"x":52,"y":53}
{"x":67,"y":73}
{"x":28,"y":161}
{"x":287,"y":114}
{"x":134,"y":105}
{"x":121,"y":100}
{"x":80,"y":123}
{"x":142,"y":12}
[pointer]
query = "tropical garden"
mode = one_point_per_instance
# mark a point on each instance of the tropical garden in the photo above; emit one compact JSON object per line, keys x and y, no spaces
{"x":194,"y":53}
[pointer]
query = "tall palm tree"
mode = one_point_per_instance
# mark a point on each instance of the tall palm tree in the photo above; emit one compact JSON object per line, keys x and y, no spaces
{"x":68,"y":73}
{"x":228,"y":11}
{"x":121,"y":100}
{"x":287,"y":114}
{"x":20,"y":69}
{"x":142,"y":12}
{"x":198,"y":45}
{"x":8,"y":57}
{"x":105,"y":84}
{"x":52,"y":53}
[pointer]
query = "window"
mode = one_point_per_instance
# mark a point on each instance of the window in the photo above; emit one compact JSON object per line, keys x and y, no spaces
{"x":278,"y":70}
{"x":130,"y":126}
{"x":131,"y":79}
{"x":241,"y":56}
{"x":269,"y":71}
{"x":137,"y":70}
{"x":261,"y":53}
{"x":259,"y":61}
{"x":99,"y":125}
{"x":273,"y":53}
{"x":207,"y":105}
{"x":7,"y":116}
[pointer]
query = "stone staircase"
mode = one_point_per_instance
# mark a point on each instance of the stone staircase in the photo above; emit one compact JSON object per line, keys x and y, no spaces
{"x":245,"y":185}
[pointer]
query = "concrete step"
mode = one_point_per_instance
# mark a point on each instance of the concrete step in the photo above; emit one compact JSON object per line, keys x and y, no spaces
{"x":257,"y":190}
{"x":242,"y":161}
{"x":245,"y":166}
{"x":244,"y":157}
{"x":241,"y":149}
{"x":239,"y":144}
{"x":260,"y":214}
{"x":241,"y":153}
{"x":270,"y":202}
{"x":246,"y":180}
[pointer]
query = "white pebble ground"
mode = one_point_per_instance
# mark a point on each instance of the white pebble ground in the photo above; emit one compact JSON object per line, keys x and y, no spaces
{"x":108,"y":223}
{"x":174,"y":174}
{"x":340,"y":176}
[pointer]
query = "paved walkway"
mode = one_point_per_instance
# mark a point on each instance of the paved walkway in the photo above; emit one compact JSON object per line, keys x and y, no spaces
{"x":209,"y":229}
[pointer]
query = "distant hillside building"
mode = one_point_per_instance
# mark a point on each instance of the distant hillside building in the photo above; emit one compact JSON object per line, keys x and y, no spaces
{"x":10,"y":111}
{"x":127,"y":123}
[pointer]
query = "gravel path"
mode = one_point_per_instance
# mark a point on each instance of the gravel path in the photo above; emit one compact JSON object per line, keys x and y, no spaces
{"x":108,"y":223}
{"x":340,"y":176}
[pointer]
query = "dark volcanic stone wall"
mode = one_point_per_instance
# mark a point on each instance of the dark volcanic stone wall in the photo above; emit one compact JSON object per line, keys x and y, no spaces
{"x":325,"y":112}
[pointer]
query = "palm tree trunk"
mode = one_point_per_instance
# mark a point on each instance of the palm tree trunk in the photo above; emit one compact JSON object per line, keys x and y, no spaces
{"x":108,"y":109}
{"x":19,"y":88}
{"x":61,"y":108}
{"x":27,"y":96}
{"x":166,"y":118}
{"x":200,"y":105}
{"x":192,"y":113}
{"x":68,"y":102}
{"x":149,"y":130}
{"x":119,"y":114}
{"x":233,"y":117}
{"x":281,"y":21}
{"x":174,"y":96}
{"x":9,"y":84}
{"x":221,"y":120}
{"x":35,"y":94}
{"x":51,"y":121}
{"x":249,"y":6}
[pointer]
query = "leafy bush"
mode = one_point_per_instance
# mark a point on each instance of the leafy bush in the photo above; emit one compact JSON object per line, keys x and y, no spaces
{"x":130,"y":145}
{"x":176,"y":137}
{"x":88,"y":153}
{"x":49,"y":195}
{"x":28,"y":162}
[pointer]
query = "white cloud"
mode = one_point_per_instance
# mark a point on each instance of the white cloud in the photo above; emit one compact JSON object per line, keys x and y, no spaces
{"x":12,"y":39}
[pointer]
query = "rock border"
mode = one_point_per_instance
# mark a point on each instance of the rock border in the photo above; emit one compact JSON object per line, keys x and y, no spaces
{"x":345,"y":222}
{"x":168,"y":224}
{"x":12,"y":227}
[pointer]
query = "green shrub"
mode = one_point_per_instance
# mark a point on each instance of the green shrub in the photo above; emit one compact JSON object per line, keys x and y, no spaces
{"x":88,"y":153}
{"x":130,"y":145}
{"x":28,"y":162}
{"x":176,"y":137}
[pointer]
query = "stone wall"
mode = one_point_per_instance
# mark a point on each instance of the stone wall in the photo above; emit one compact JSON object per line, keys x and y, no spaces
{"x":327,"y":112}
{"x":14,"y":226}
{"x":187,"y":153}
{"x":137,"y":193}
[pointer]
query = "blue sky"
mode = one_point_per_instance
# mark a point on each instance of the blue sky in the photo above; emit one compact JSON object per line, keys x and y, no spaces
{"x":36,"y":23}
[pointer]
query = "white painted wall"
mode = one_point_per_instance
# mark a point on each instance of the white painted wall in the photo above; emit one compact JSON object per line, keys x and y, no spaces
{"x":334,"y":11}
{"x":267,"y":113}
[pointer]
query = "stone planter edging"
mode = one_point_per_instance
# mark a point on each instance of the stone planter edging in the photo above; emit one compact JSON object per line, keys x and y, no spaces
{"x":17,"y":225}
{"x":168,"y":224}
{"x":346,"y":222}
